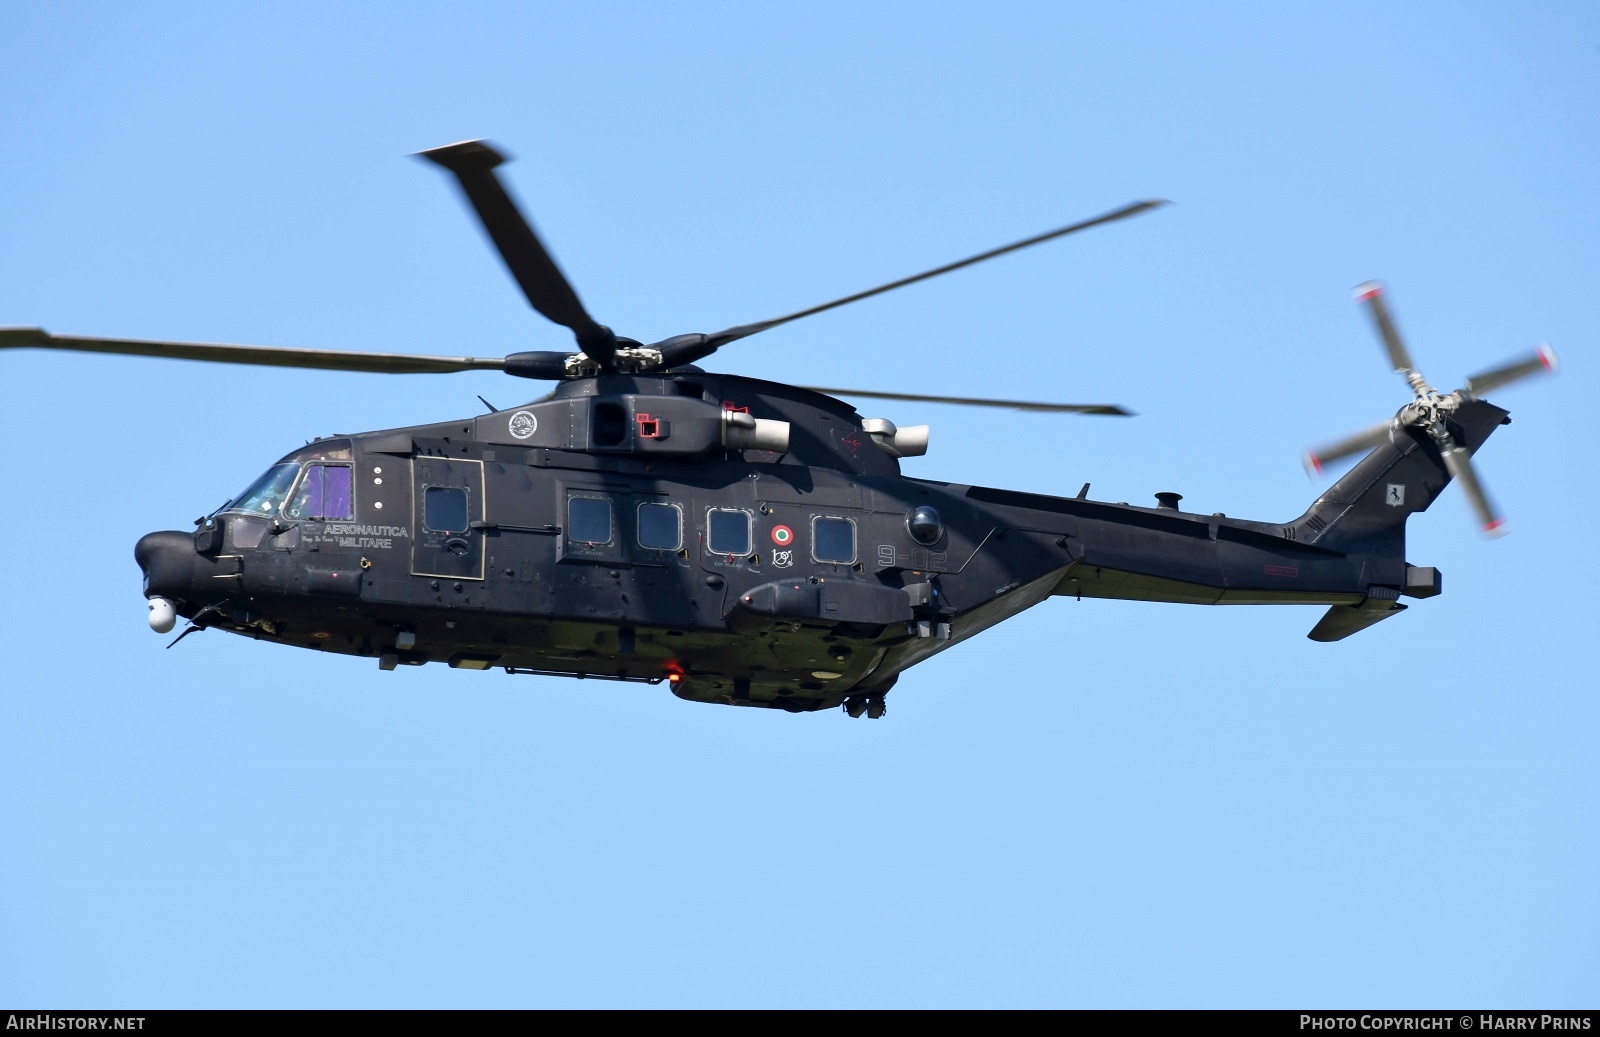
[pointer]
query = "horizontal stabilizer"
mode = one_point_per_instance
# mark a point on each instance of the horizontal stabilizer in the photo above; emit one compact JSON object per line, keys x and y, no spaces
{"x":1340,"y":621}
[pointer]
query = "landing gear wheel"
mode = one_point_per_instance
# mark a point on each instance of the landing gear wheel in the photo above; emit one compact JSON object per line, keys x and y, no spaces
{"x":855,"y":705}
{"x":875,"y":707}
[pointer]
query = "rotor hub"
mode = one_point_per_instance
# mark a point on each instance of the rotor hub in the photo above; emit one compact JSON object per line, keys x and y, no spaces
{"x":629,"y":360}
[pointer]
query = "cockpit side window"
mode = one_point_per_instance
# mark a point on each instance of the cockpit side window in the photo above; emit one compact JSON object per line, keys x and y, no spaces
{"x":267,"y":493}
{"x":323,"y":494}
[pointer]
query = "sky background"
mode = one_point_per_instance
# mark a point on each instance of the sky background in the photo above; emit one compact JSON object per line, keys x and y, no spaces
{"x":1095,"y":804}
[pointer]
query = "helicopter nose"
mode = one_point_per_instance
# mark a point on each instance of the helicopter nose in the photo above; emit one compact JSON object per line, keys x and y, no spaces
{"x":167,"y":559}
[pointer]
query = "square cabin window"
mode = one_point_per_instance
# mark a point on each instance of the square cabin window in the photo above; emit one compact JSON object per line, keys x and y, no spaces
{"x":727,"y":532}
{"x":660,"y":527}
{"x":444,"y":509}
{"x":589,"y":520}
{"x":833,"y":540}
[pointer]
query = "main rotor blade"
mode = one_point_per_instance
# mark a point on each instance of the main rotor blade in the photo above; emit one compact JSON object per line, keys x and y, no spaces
{"x":969,"y":401}
{"x":1540,"y":360}
{"x":1360,"y":443}
{"x":1372,"y":294}
{"x":473,"y":162}
{"x":715,"y":341}
{"x":1459,"y":463}
{"x":267,"y":356}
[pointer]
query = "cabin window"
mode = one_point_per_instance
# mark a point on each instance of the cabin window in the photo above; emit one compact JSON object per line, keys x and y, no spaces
{"x":833,"y":540}
{"x":444,"y":509}
{"x":728,"y":532}
{"x":660,"y":526}
{"x":324,"y":493}
{"x":267,"y":493}
{"x":589,"y":520}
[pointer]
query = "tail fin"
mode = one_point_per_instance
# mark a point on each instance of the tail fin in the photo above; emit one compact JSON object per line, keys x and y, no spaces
{"x":1364,"y":514}
{"x":1366,"y":510}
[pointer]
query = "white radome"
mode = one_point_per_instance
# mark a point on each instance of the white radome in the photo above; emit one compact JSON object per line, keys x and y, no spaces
{"x":163,"y":616}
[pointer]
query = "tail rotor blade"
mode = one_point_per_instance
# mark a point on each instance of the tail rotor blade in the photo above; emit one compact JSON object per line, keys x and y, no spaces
{"x":1372,"y":294}
{"x":1459,"y":462}
{"x":473,"y":163}
{"x":1360,"y":443}
{"x":1540,"y":360}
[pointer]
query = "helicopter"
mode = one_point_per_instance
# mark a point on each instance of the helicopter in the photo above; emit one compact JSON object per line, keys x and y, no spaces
{"x":746,"y":542}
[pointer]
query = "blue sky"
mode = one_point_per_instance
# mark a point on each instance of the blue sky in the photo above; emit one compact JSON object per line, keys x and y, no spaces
{"x":1097,"y":804}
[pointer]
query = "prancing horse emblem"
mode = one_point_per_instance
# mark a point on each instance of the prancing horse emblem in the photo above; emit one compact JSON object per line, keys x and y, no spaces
{"x":1397,"y":495}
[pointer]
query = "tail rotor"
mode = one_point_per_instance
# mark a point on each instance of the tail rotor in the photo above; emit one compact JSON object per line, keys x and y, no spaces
{"x":1430,"y":411}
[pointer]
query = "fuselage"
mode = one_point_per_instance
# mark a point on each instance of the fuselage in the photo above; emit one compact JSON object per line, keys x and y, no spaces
{"x":607,"y":531}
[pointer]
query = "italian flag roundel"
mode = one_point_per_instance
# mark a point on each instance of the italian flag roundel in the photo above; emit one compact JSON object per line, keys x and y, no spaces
{"x":783,"y":536}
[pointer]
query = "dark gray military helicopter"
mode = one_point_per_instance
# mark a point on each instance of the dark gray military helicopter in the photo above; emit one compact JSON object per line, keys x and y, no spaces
{"x":749,"y":542}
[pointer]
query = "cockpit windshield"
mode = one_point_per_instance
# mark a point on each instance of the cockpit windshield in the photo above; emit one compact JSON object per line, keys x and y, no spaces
{"x":266,"y":494}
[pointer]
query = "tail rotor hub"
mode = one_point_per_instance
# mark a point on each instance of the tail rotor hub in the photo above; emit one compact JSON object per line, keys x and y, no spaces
{"x":1429,"y":408}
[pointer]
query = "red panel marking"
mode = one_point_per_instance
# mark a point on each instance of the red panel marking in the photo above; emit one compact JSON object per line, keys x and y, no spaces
{"x":730,"y":405}
{"x":1281,"y":570}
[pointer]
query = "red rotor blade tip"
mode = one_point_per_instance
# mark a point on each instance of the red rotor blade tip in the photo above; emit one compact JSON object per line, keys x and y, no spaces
{"x":1368,"y":290}
{"x":1547,"y":357}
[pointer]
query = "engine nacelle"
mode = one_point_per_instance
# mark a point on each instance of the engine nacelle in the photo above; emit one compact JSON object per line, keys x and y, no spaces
{"x":742,"y":432}
{"x":911,"y":441}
